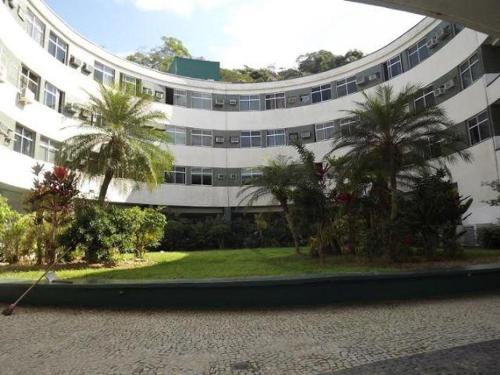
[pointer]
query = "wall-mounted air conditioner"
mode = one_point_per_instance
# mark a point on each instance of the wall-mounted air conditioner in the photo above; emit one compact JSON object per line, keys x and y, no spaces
{"x":87,"y":68}
{"x":75,"y":62}
{"x":432,"y":42}
{"x":233,"y":176}
{"x":26,"y":96}
{"x":3,"y":73}
{"x":220,"y":177}
{"x":219,"y":102}
{"x":234,"y":140}
{"x":159,"y":95}
{"x":219,"y":139}
{"x":373,"y":77}
{"x":6,"y":133}
{"x":147,"y":91}
{"x":305,"y":135}
{"x":440,"y":91}
{"x":361,"y":80}
{"x":233,"y":102}
{"x":443,"y":33}
{"x":448,"y":85}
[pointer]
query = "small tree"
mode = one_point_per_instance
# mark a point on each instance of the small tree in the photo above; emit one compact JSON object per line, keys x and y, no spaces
{"x":151,"y":226}
{"x":52,"y":198}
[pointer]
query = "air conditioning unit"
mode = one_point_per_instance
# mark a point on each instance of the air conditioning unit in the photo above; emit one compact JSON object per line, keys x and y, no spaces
{"x":147,"y":91}
{"x":219,"y":139}
{"x":373,"y":77}
{"x":448,"y":85}
{"x":26,"y":96}
{"x":361,"y":80}
{"x":74,"y":62}
{"x":233,"y":102}
{"x":159,"y":95}
{"x":87,"y":68}
{"x":443,"y":33}
{"x":6,"y":133}
{"x":440,"y":91}
{"x":233,"y":176}
{"x":305,"y":135}
{"x":3,"y":74}
{"x":219,"y":102}
{"x":291,"y":99}
{"x":432,"y":42}
{"x":234,"y":140}
{"x":220,"y":177}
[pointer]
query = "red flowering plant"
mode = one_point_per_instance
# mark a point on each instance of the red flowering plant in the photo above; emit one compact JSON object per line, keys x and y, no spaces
{"x":52,"y":198}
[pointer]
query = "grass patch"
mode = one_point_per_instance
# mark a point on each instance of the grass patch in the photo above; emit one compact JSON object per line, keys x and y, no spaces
{"x":235,"y":263}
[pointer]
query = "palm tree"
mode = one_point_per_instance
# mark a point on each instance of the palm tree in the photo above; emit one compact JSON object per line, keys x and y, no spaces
{"x":277,"y":179}
{"x":393,"y":139}
{"x":118,"y":141}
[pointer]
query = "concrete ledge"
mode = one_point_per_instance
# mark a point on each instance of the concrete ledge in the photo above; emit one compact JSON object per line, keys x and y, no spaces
{"x":260,"y":292}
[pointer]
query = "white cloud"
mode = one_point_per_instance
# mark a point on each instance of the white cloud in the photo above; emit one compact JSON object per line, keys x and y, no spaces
{"x":180,"y":7}
{"x":263,"y":32}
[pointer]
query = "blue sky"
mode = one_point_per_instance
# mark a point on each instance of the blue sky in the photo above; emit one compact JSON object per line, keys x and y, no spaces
{"x":236,"y":32}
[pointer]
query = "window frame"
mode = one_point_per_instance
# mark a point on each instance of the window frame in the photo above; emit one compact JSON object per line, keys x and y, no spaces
{"x":48,"y":146}
{"x":274,"y":134}
{"x":324,"y":128}
{"x":108,"y":74}
{"x":391,"y":63}
{"x":176,"y":133}
{"x":479,"y":124}
{"x":23,"y":136}
{"x":59,"y":46}
{"x":174,"y":174}
{"x":319,"y":92}
{"x":129,"y":86}
{"x":249,"y":100}
{"x":249,"y":174}
{"x":180,"y":98}
{"x":55,"y":93}
{"x":272,"y":101}
{"x":28,"y":79}
{"x":204,"y":134}
{"x":251,"y":136}
{"x":416,"y":50}
{"x":346,"y":83}
{"x":425,"y":94}
{"x":466,"y":68}
{"x":35,"y":27}
{"x":203,"y":98}
{"x":203,"y":173}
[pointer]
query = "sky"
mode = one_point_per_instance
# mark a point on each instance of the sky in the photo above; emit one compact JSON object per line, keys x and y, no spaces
{"x":257,"y":33}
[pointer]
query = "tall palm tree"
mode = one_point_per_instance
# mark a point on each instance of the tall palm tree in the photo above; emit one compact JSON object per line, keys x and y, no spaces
{"x":118,"y":141}
{"x":394,"y":139}
{"x":278,"y":179}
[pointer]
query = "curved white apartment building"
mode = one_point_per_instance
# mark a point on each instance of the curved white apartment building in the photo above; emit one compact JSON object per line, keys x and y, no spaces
{"x":223,"y":131}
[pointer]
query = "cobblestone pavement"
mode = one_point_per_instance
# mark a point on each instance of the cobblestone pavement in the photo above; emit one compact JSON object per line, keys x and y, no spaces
{"x":293,"y":341}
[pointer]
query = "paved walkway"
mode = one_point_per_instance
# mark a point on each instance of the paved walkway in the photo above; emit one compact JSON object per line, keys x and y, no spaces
{"x":435,"y":335}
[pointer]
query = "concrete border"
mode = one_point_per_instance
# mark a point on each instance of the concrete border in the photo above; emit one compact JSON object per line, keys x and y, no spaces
{"x":262,"y":291}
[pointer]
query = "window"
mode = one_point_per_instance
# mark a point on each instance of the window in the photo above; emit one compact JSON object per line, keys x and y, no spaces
{"x":104,"y":74}
{"x":325,"y":131}
{"x":35,"y":27}
{"x":250,"y":139}
{"x":29,"y":81}
{"x":130,"y":84}
{"x":275,"y":101}
{"x":201,"y":100}
{"x":248,"y":175}
{"x":479,"y":128}
{"x":180,"y":98}
{"x":176,"y":176}
{"x":394,"y":67}
{"x":24,"y":141}
{"x":52,"y":97}
{"x":418,"y":53}
{"x":201,"y":137}
{"x":276,"y":138}
{"x":201,"y":176}
{"x":177,"y":135}
{"x":49,"y":149}
{"x":321,"y":93}
{"x":347,"y":86}
{"x":427,"y":99}
{"x":346,"y":125}
{"x":58,"y":48}
{"x":469,"y":71}
{"x":250,"y":103}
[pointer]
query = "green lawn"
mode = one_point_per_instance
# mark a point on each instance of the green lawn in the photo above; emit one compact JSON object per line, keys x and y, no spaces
{"x":234,"y":263}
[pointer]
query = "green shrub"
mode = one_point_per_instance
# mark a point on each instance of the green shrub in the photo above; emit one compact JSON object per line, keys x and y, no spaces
{"x":149,"y":231}
{"x":489,"y":237}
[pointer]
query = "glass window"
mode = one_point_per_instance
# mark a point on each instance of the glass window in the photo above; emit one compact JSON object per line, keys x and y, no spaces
{"x":49,"y":149}
{"x":426,"y":99}
{"x":129,"y":84}
{"x":58,"y":47}
{"x":250,"y":139}
{"x":325,"y":131}
{"x":346,"y":125}
{"x":321,"y":93}
{"x":201,"y":100}
{"x":104,"y":74}
{"x":35,"y":27}
{"x":276,"y":138}
{"x":201,"y":137}
{"x":248,"y":175}
{"x":418,"y":53}
{"x":52,"y":97}
{"x":201,"y":176}
{"x":394,"y":67}
{"x":24,"y":141}
{"x":176,"y":176}
{"x":250,"y":103}
{"x":479,"y":128}
{"x":347,"y":86}
{"x":177,"y":135}
{"x":469,"y":71}
{"x":275,"y":101}
{"x":29,"y":81}
{"x":180,"y":98}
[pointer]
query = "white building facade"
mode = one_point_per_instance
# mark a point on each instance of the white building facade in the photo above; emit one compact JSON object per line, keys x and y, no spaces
{"x":222,"y":132}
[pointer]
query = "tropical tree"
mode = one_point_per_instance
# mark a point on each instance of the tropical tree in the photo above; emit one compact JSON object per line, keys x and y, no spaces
{"x":118,"y":141}
{"x":393,"y":140}
{"x":162,"y":56}
{"x":278,"y":179}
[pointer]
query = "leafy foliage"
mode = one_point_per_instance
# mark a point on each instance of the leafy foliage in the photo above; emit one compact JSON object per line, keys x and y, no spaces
{"x":161,"y":57}
{"x":321,"y":61}
{"x":118,"y":141}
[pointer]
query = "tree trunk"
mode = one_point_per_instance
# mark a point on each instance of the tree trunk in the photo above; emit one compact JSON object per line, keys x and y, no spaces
{"x":394,"y":200}
{"x":108,"y":176}
{"x":291,"y":227}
